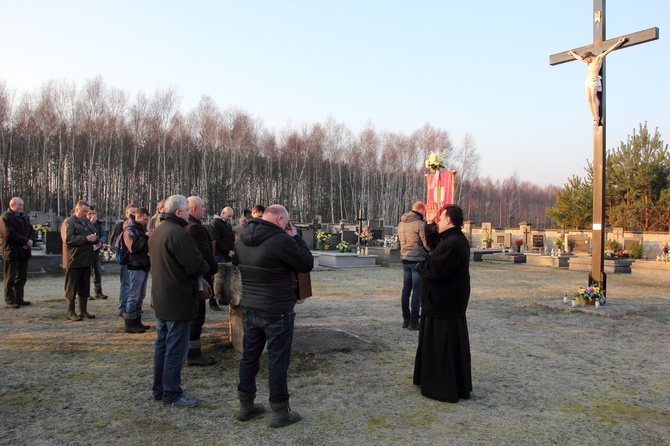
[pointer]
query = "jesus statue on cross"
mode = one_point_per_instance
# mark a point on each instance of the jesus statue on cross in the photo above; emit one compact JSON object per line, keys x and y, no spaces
{"x":593,"y":85}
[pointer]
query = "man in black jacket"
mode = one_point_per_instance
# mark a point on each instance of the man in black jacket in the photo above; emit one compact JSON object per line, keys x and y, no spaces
{"x":17,"y":237}
{"x":270,"y":253}
{"x":79,"y":237}
{"x":176,"y":268}
{"x":196,"y":210}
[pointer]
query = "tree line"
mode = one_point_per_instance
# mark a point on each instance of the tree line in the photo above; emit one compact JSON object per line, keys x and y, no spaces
{"x":63,"y":143}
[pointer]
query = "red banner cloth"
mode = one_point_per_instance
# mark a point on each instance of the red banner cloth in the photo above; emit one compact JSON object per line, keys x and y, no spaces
{"x":440,"y":187}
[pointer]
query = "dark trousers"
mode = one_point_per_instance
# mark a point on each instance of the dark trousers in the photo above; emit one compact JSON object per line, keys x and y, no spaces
{"x":15,"y":277}
{"x":197,"y":323}
{"x":97,"y":274}
{"x":77,"y":281}
{"x":277,"y":332}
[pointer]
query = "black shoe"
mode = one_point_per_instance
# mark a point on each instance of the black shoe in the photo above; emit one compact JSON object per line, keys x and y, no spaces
{"x":24,"y":303}
{"x":413,"y":327}
{"x":405,"y":324}
{"x":86,"y":315}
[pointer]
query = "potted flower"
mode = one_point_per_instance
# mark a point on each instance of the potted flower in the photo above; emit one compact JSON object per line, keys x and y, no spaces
{"x":320,"y":238}
{"x":343,"y":246}
{"x":365,"y":235}
{"x":487,"y":239}
{"x":571,"y":244}
{"x":558,"y":241}
{"x":518,"y":242}
{"x":588,"y":295}
{"x":665,"y":247}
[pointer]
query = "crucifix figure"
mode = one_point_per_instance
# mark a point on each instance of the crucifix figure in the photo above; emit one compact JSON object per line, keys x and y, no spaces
{"x":599,"y":49}
{"x":592,"y":85}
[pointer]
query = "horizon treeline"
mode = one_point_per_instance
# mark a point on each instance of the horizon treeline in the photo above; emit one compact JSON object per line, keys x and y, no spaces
{"x":64,"y":143}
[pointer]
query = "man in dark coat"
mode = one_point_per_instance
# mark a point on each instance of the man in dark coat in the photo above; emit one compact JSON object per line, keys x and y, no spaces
{"x":442,"y":367}
{"x":79,"y":237}
{"x":97,"y":265}
{"x":136,"y":239}
{"x":221,"y":230}
{"x":176,"y":268}
{"x":17,"y":237}
{"x":196,"y":211}
{"x":124,"y":277}
{"x":270,"y":253}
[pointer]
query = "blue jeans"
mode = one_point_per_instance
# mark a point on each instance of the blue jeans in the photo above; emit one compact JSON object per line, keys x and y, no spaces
{"x":170,"y":353}
{"x":411,"y":284}
{"x":125,"y":288}
{"x":277,"y":331}
{"x":138,"y":289}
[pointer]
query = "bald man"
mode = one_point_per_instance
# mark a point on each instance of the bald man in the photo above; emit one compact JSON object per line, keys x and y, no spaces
{"x":17,"y":237}
{"x":270,"y":253}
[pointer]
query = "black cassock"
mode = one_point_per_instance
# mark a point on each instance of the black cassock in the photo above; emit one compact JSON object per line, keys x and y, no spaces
{"x":443,"y":365}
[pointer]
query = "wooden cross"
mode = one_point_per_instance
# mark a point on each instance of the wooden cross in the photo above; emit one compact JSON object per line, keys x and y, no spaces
{"x":600,"y":44}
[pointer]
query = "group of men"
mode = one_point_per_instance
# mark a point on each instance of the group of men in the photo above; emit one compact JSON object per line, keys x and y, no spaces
{"x":269,"y":253}
{"x":181,"y":253}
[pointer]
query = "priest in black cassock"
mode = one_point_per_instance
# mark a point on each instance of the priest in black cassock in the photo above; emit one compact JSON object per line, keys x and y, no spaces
{"x":442,"y":365}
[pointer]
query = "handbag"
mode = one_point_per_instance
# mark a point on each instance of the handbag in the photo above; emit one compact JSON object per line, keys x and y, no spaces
{"x":204,"y":290}
{"x":304,"y":286}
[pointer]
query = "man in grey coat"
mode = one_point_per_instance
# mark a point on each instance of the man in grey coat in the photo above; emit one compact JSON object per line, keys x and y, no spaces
{"x":413,"y":249}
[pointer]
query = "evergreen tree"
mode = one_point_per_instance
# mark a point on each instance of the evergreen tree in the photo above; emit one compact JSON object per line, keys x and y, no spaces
{"x":574,"y":204}
{"x":637,"y":174}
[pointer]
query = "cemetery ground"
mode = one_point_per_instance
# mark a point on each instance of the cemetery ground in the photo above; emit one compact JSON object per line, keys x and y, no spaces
{"x":540,"y":375}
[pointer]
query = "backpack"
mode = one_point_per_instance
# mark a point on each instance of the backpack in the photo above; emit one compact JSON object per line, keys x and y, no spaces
{"x":121,"y":252}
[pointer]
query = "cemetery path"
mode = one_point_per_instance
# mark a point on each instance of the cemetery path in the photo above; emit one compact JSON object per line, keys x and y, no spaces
{"x":540,"y":376}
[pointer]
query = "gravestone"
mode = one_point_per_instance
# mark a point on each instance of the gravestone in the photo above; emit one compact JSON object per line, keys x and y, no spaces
{"x":350,"y":237}
{"x":538,"y":242}
{"x":582,"y":244}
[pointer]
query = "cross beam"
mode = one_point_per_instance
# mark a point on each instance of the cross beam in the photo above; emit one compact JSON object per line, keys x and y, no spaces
{"x":631,"y":40}
{"x":600,"y":44}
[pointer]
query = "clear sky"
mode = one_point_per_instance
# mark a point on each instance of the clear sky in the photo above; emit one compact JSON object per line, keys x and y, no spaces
{"x":462,"y":66}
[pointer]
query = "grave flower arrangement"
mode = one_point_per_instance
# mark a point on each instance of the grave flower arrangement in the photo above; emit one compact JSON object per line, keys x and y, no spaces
{"x":435,"y":161}
{"x":321,"y":236}
{"x":590,"y":294}
{"x":343,"y":246}
{"x":558,"y":242}
{"x":365,"y":234}
{"x":518,"y":242}
{"x":665,"y":247}
{"x":613,"y":255}
{"x":486,"y":238}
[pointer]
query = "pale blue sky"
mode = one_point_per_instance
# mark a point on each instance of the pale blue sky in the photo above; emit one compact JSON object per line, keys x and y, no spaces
{"x":466,"y":67}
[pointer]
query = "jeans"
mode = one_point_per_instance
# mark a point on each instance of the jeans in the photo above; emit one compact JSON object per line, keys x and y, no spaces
{"x":170,"y":353}
{"x":411,"y":283}
{"x":125,"y":288}
{"x":138,"y":289}
{"x":277,"y":331}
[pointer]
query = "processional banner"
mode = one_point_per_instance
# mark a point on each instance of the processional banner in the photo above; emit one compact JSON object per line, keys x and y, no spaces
{"x":440,"y":186}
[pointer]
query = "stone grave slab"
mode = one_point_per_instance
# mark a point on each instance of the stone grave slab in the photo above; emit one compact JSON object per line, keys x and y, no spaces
{"x":613,"y":308}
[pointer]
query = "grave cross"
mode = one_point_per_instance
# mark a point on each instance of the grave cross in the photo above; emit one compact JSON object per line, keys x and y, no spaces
{"x":599,"y":45}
